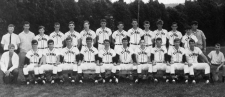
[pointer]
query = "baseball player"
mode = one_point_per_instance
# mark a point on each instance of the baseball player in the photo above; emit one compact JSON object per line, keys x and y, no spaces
{"x":188,"y":36}
{"x":217,"y":61}
{"x":73,"y":34}
{"x":57,"y":36}
{"x":148,"y":35}
{"x":118,"y":35}
{"x":70,"y":60}
{"x":90,"y":60}
{"x":87,"y":33}
{"x":173,"y":34}
{"x":42,"y":39}
{"x":32,"y":62}
{"x":159,"y":60}
{"x":108,"y":61}
{"x":177,"y":60}
{"x":135,"y":34}
{"x":102,"y":34}
{"x":127,"y":58}
{"x":51,"y":60}
{"x":161,"y":33}
{"x":143,"y":54}
{"x":192,"y":55}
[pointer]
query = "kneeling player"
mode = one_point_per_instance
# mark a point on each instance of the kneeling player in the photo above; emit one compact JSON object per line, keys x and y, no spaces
{"x":69,"y":54}
{"x":51,"y":57}
{"x":177,"y":60}
{"x":108,"y":57}
{"x":192,"y":55}
{"x":143,"y":59}
{"x":32,"y":62}
{"x":159,"y":60}
{"x":89,"y":58}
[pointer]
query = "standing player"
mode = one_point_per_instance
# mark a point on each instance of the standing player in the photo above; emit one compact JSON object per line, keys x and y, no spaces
{"x":161,"y":33}
{"x":32,"y":62}
{"x":89,"y":60}
{"x":51,"y":60}
{"x":217,"y":61}
{"x":143,"y":54}
{"x":118,"y":35}
{"x":57,"y":36}
{"x":108,"y":55}
{"x":178,"y":60}
{"x":70,"y":62}
{"x":42,"y":38}
{"x":87,"y":33}
{"x":135,"y":34}
{"x":73,"y":34}
{"x":102,"y":34}
{"x":159,"y":60}
{"x":148,"y":35}
{"x":173,"y":34}
{"x":187,"y":37}
{"x":192,"y":55}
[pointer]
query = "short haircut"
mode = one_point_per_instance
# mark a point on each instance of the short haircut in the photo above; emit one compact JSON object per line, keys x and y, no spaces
{"x":159,"y":22}
{"x":26,"y":22}
{"x":88,"y":38}
{"x":120,"y":23}
{"x":134,"y":20}
{"x":191,"y":40}
{"x":11,"y":45}
{"x":69,"y":38}
{"x":194,"y":23}
{"x":103,"y":20}
{"x":41,"y":27}
{"x":158,"y":39}
{"x":71,"y":22}
{"x":50,"y":41}
{"x":34,"y":42}
{"x":86,"y":21}
{"x":176,"y":39}
{"x":187,"y":27}
{"x":124,"y":39}
{"x":106,"y":40}
{"x":146,"y":22}
{"x":56,"y":23}
{"x":217,"y":44}
{"x":11,"y":25}
{"x":174,"y":23}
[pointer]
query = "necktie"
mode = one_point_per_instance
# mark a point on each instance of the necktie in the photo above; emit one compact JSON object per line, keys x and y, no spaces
{"x":10,"y":61}
{"x":10,"y":36}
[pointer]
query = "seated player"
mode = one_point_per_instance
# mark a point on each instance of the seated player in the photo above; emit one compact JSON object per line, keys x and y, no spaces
{"x":9,"y":65}
{"x":217,"y":61}
{"x":176,"y":55}
{"x":90,"y":60}
{"x":51,"y":60}
{"x":127,"y":58}
{"x":70,"y":61}
{"x":32,"y":62}
{"x":143,"y":59}
{"x":108,"y":61}
{"x":192,"y":55}
{"x":159,"y":60}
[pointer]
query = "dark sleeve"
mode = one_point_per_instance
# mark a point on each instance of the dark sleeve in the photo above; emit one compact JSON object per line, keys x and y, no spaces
{"x":39,"y":61}
{"x":116,"y":59}
{"x":61,"y":58}
{"x":27,"y":61}
{"x":169,"y":58}
{"x":77,"y":57}
{"x":184,"y":59}
{"x":99,"y":58}
{"x":133,"y":56}
{"x":166,"y":57}
{"x":152,"y":57}
{"x":96,"y":57}
{"x":81,"y":57}
{"x":142,"y":37}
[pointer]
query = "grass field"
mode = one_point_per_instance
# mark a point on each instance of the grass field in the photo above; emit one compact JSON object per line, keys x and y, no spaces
{"x":123,"y":89}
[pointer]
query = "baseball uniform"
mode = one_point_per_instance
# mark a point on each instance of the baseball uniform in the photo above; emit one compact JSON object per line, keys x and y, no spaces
{"x":75,"y":37}
{"x":148,"y":37}
{"x":135,"y":37}
{"x":125,"y":56}
{"x":173,"y":35}
{"x":58,"y":38}
{"x":84,"y":34}
{"x":118,"y":36}
{"x":107,"y":60}
{"x":161,"y":34}
{"x":42,"y":41}
{"x":103,"y":34}
{"x":192,"y":57}
{"x":89,"y":60}
{"x":143,"y":57}
{"x":186,"y":38}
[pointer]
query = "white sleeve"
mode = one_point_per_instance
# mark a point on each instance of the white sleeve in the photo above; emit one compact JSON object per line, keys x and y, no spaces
{"x":199,"y":51}
{"x":114,"y":35}
{"x":2,"y":63}
{"x":3,"y":40}
{"x":97,"y":32}
{"x":100,"y":54}
{"x":110,"y":32}
{"x":210,"y":55}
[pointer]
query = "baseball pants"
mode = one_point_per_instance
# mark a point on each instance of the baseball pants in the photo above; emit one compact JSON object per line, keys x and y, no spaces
{"x":67,"y":66}
{"x":88,"y":66}
{"x":47,"y":67}
{"x":144,"y":67}
{"x":133,"y":47}
{"x":31,"y":67}
{"x":179,"y":66}
{"x":199,"y":66}
{"x":109,"y":67}
{"x":161,"y":66}
{"x":127,"y":67}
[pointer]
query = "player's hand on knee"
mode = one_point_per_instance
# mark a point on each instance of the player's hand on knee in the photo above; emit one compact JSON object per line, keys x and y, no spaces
{"x":168,"y":63}
{"x":149,"y":62}
{"x":190,"y":64}
{"x":25,"y":66}
{"x":172,"y":62}
{"x":153,"y":63}
{"x":115,"y":64}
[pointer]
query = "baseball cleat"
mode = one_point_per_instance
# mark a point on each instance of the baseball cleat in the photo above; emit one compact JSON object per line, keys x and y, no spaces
{"x":61,"y":81}
{"x":155,"y":80}
{"x":43,"y":81}
{"x":28,"y":83}
{"x":110,"y":80}
{"x":167,"y":80}
{"x":80,"y":81}
{"x":136,"y":81}
{"x":194,"y":82}
{"x":52,"y":82}
{"x":186,"y":81}
{"x":116,"y":80}
{"x":174,"y":81}
{"x":103,"y":80}
{"x":35,"y":82}
{"x":96,"y":81}
{"x":72,"y":81}
{"x":207,"y":81}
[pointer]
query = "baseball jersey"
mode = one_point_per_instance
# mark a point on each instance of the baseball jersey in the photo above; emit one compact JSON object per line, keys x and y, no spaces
{"x":118,"y":36}
{"x":159,"y":54}
{"x":135,"y":35}
{"x":70,"y":54}
{"x":125,"y":54}
{"x":84,"y":34}
{"x":107,"y":55}
{"x":143,"y":54}
{"x":15,"y":40}
{"x":192,"y":56}
{"x":34,"y":56}
{"x":103,"y":34}
{"x":173,"y":35}
{"x":161,"y":34}
{"x":89,"y":53}
{"x":176,"y":55}
{"x":216,"y":58}
{"x":57,"y":38}
{"x":42,"y":41}
{"x":74,"y":35}
{"x":51,"y":56}
{"x":148,"y":37}
{"x":186,"y":38}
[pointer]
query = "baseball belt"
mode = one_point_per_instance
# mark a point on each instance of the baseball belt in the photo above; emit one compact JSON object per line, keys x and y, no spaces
{"x":58,"y":47}
{"x":143,"y":62}
{"x":42,"y":48}
{"x":125,"y":62}
{"x":51,"y":63}
{"x":33,"y":62}
{"x":101,"y":43}
{"x":107,"y":62}
{"x":69,"y":62}
{"x":89,"y":61}
{"x":118,"y":44}
{"x":134,"y":43}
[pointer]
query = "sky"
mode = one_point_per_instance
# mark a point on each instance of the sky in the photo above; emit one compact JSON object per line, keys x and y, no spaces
{"x":160,"y":1}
